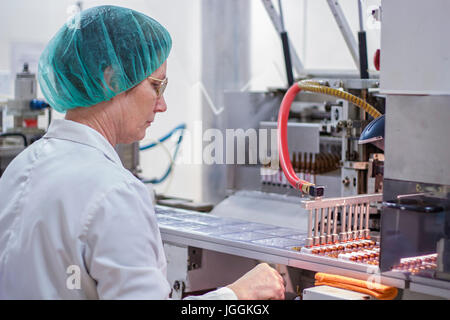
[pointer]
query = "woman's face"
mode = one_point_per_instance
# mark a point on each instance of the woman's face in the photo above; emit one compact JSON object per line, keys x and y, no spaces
{"x":139,"y":106}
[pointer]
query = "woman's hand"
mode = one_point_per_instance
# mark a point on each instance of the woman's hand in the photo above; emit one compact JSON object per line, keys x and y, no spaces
{"x":261,"y":283}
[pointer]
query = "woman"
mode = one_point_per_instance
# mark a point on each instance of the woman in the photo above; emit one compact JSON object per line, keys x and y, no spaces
{"x":69,"y":207}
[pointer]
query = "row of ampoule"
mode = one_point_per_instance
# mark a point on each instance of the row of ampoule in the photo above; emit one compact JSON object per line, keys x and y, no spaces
{"x":305,"y":165}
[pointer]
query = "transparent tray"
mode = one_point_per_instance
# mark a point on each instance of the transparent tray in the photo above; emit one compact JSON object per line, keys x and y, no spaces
{"x":245,"y":236}
{"x":278,"y":242}
{"x":281,"y":232}
{"x":301,"y":237}
{"x":224,"y":229}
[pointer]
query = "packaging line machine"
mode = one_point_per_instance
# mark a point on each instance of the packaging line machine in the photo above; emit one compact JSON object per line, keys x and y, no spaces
{"x":22,"y":112}
{"x":385,"y":213}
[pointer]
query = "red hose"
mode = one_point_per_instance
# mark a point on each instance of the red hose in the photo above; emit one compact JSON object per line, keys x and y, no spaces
{"x":285,"y":159}
{"x":283,"y":149}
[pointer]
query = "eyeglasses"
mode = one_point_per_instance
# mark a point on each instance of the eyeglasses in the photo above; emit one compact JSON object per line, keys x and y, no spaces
{"x":162,"y":85}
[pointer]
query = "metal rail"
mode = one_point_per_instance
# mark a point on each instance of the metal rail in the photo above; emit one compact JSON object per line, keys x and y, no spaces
{"x":345,"y":29}
{"x":276,"y":21}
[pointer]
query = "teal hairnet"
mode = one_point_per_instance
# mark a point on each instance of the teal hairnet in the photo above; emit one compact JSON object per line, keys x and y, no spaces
{"x":100,"y":44}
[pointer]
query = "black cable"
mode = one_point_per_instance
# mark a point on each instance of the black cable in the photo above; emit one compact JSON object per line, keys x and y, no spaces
{"x":362,"y":44}
{"x":286,"y":49}
{"x":363,"y":64}
{"x":287,"y":58}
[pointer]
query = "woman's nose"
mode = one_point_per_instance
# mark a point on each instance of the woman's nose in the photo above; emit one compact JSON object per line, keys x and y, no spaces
{"x":161,"y":105}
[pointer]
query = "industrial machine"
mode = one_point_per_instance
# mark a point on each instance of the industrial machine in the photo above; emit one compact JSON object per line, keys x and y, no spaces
{"x":340,"y":173}
{"x":356,"y":184}
{"x":19,"y":117}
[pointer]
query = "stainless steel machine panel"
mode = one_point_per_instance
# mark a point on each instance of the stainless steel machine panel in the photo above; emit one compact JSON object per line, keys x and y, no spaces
{"x":411,"y":32}
{"x":304,"y":136}
{"x":417,"y":144}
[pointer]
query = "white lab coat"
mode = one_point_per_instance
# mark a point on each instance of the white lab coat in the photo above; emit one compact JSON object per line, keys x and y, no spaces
{"x":75,"y":224}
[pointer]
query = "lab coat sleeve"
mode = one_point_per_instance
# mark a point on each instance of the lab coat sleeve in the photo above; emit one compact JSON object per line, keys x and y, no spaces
{"x":219,"y":294}
{"x":124,"y":253}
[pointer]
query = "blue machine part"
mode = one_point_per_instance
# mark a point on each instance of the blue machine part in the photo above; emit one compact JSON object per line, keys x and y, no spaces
{"x":36,"y":104}
{"x":374,"y":133}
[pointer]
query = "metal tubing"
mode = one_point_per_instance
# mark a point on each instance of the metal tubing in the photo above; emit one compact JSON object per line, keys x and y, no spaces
{"x":331,"y":202}
{"x":355,"y":223}
{"x":322,"y":226}
{"x":343,"y":234}
{"x":367,"y":230}
{"x":345,"y":29}
{"x":335,"y":217}
{"x":352,"y":226}
{"x":349,"y":230}
{"x":316,"y":227}
{"x":361,"y":221}
{"x":329,"y":225}
{"x":276,"y":21}
{"x":309,"y":240}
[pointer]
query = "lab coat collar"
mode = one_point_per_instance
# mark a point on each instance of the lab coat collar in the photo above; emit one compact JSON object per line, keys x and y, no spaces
{"x":80,"y":133}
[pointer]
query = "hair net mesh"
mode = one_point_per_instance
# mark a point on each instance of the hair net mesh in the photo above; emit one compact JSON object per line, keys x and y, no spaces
{"x":99,"y":53}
